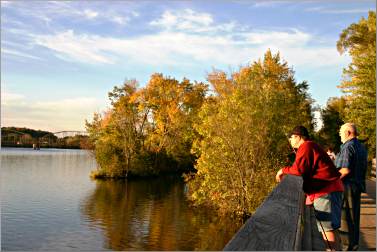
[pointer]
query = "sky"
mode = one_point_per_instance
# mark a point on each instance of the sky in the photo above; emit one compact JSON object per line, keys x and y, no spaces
{"x":59,"y":59}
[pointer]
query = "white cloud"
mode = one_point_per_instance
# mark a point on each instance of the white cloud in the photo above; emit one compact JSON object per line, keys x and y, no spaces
{"x":9,"y":98}
{"x":135,"y":13}
{"x":285,"y":39}
{"x":19,"y":54}
{"x":5,"y":3}
{"x":349,"y":11}
{"x":65,"y":114}
{"x":50,"y":11}
{"x":120,"y":20}
{"x":269,"y":4}
{"x":65,"y":104}
{"x":83,"y":48}
{"x":168,"y":20}
{"x":90,"y":14}
{"x":185,"y":20}
{"x":189,"y":21}
{"x":170,"y":47}
{"x":336,"y":11}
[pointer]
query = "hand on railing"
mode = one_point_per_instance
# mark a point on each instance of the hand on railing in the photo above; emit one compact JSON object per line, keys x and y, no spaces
{"x":279,"y":175}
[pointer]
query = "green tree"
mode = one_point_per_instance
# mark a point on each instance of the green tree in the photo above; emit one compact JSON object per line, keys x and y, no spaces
{"x":243,"y":135}
{"x":359,"y":82}
{"x":332,"y":120}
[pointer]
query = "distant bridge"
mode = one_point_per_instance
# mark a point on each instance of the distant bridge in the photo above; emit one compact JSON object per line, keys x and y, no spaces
{"x":59,"y":134}
{"x":66,"y":133}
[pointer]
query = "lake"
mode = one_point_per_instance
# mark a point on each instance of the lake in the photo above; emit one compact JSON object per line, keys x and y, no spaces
{"x":48,"y":202}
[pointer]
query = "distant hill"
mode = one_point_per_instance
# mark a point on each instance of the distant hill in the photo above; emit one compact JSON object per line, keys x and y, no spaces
{"x":31,"y":132}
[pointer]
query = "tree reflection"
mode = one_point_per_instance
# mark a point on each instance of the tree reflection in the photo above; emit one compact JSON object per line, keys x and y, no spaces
{"x":153,"y":214}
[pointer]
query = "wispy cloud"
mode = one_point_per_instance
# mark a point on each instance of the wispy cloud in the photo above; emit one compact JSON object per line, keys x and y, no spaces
{"x":183,"y":20}
{"x":184,"y":36}
{"x":9,"y":98}
{"x":120,"y":20}
{"x":336,"y":11}
{"x":90,"y":14}
{"x":187,"y":37}
{"x":169,"y":47}
{"x":135,"y":13}
{"x":188,"y":20}
{"x":83,"y":48}
{"x":270,"y":3}
{"x":50,"y":11}
{"x":111,"y":16}
{"x":5,"y":3}
{"x":19,"y":54}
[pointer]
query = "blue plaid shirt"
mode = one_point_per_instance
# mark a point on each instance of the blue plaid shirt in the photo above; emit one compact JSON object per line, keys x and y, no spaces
{"x":353,"y":156}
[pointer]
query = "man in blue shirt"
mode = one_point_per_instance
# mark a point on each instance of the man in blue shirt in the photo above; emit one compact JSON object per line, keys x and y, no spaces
{"x":352,"y":164}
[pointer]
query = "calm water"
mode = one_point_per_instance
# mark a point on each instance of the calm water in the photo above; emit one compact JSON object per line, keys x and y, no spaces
{"x":48,"y":202}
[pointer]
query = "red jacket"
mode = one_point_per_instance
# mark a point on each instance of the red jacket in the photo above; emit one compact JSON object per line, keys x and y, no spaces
{"x":316,"y":168}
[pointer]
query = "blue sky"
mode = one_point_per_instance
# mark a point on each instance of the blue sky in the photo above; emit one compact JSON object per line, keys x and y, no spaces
{"x":59,"y":59}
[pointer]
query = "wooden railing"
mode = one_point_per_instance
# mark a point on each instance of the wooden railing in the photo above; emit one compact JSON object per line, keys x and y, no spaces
{"x":282,"y":222}
{"x":373,"y":170}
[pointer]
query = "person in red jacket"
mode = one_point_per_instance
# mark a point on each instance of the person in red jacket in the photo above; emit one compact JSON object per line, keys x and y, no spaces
{"x":322,"y":184}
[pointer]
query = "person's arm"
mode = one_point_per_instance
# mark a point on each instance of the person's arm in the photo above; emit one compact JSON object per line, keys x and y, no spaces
{"x":279,"y":175}
{"x":299,"y":167}
{"x":343,"y":162}
{"x":301,"y":164}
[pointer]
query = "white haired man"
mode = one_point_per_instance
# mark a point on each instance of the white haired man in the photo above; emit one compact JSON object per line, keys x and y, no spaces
{"x":352,"y":164}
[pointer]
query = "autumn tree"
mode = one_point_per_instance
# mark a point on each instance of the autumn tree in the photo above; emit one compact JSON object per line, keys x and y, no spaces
{"x":221,"y":83}
{"x":118,"y":136}
{"x":127,"y":123}
{"x":359,"y":81}
{"x":243,"y":135}
{"x":148,"y":130}
{"x":173,"y":109}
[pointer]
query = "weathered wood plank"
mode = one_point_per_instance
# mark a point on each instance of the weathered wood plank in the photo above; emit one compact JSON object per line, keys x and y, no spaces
{"x":318,"y":244}
{"x":312,"y":238}
{"x":307,"y":241}
{"x":278,"y":223}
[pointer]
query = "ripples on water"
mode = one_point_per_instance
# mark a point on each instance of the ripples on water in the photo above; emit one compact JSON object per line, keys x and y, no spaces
{"x":49,"y":203}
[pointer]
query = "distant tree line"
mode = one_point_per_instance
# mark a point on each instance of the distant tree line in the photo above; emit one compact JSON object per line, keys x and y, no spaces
{"x":25,"y":137}
{"x":5,"y":131}
{"x":229,"y":136}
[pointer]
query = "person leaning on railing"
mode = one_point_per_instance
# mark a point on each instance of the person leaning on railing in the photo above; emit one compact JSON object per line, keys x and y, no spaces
{"x":352,"y":162}
{"x":322,"y":184}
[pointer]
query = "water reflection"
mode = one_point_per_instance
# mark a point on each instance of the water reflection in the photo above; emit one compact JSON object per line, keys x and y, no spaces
{"x":153,"y":214}
{"x":49,"y":203}
{"x":40,"y":196}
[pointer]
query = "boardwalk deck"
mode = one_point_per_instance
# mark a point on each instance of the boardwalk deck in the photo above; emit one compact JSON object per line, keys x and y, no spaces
{"x":282,"y":223}
{"x":368,"y":218}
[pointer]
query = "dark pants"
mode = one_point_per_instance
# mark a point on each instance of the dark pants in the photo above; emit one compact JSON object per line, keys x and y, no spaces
{"x":351,"y":215}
